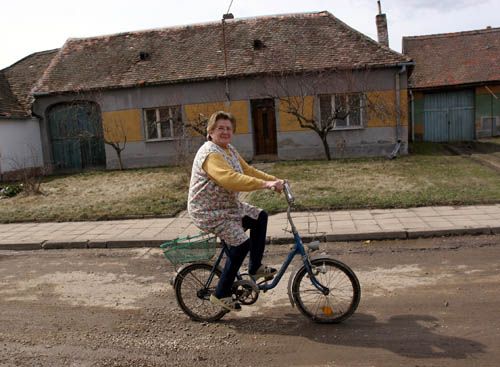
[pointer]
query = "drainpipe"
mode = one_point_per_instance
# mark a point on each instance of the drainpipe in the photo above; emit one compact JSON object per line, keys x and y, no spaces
{"x":398,"y":108}
{"x":398,"y":102}
{"x":412,"y":100}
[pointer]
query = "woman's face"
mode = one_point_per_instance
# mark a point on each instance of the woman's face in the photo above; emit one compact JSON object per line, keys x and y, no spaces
{"x":222,"y":133}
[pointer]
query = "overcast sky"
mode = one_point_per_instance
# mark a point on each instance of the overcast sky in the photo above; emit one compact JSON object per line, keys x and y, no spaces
{"x":28,"y":26}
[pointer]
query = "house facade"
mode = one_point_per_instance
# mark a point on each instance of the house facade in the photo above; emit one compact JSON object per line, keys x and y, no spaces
{"x":146,"y":88}
{"x":20,"y":135}
{"x":455,"y":85}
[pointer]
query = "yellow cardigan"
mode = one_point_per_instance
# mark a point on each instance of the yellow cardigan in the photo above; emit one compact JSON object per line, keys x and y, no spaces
{"x":224,"y":175}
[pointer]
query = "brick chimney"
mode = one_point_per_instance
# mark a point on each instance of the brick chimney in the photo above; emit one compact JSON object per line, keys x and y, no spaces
{"x":381,"y":20}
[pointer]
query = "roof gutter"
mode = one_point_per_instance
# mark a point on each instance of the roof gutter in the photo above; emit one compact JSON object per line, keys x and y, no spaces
{"x":219,"y":77}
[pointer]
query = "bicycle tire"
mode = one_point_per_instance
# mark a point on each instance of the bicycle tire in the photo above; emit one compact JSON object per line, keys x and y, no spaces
{"x":339,"y":304}
{"x":193,"y":296}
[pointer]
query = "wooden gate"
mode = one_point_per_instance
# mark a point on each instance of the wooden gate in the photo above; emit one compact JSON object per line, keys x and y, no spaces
{"x":449,"y":116}
{"x":76,"y":136}
{"x":264,"y":128}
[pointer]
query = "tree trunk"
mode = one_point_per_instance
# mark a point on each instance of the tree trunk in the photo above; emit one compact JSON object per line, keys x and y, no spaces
{"x":119,"y":154}
{"x":326,"y":146}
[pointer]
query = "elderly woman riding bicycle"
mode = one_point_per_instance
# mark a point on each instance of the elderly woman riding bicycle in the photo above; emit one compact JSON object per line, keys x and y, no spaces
{"x":219,"y":173}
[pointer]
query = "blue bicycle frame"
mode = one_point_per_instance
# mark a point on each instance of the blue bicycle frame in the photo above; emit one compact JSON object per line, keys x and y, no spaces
{"x":297,"y":250}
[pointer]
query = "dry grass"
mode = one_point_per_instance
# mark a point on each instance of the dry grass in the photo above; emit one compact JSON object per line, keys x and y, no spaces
{"x":430,"y":176}
{"x":102,"y":195}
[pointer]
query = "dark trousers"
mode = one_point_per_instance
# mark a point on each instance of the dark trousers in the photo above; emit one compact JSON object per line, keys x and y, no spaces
{"x":236,"y":254}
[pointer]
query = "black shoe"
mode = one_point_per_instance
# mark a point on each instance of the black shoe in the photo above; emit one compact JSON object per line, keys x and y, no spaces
{"x":265,"y":272}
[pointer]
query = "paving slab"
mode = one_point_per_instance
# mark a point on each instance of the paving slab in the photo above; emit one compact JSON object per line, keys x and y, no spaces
{"x":342,"y":225}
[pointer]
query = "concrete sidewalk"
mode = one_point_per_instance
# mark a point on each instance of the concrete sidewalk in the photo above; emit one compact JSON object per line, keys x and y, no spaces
{"x":330,"y":226}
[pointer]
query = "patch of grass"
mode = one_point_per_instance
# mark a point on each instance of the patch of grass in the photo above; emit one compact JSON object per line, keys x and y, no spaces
{"x":100,"y":195}
{"x":433,"y":177}
{"x":429,"y":176}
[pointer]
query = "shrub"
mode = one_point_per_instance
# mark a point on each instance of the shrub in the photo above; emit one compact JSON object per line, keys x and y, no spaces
{"x":8,"y":191}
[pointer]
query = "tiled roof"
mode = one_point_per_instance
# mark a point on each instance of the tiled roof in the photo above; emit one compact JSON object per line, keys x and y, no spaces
{"x":293,"y":42}
{"x":9,"y":105}
{"x":23,"y":75}
{"x":454,"y":58}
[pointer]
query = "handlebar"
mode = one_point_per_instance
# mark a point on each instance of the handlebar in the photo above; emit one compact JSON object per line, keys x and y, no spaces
{"x":288,"y":193}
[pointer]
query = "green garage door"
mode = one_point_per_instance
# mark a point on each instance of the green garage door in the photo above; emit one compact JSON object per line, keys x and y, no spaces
{"x":76,"y":136}
{"x":449,"y":116}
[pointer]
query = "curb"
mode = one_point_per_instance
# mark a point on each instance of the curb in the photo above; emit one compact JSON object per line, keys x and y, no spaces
{"x":449,"y":232}
{"x":22,"y":246}
{"x":393,"y":235}
{"x":339,"y":237}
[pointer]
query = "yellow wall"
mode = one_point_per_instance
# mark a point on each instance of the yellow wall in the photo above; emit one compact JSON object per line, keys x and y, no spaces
{"x":289,"y":122}
{"x":381,"y":113}
{"x":120,"y":124}
{"x":381,"y":106}
{"x":238,"y":108}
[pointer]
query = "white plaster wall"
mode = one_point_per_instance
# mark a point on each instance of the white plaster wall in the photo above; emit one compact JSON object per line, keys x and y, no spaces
{"x":20,"y":144}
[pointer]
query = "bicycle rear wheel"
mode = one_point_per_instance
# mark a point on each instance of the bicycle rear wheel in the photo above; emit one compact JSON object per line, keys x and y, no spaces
{"x":339,"y":304}
{"x":193,"y":292}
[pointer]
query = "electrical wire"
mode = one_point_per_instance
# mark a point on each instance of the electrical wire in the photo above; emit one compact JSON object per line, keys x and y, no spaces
{"x":227,"y":12}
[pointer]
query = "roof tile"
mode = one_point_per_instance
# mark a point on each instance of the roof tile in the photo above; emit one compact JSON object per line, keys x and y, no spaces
{"x":307,"y":41}
{"x":454,"y":58}
{"x":24,"y":74}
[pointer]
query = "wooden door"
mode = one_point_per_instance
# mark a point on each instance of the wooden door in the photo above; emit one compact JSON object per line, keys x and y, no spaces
{"x":264,"y":127}
{"x":76,"y":136}
{"x":449,"y":116}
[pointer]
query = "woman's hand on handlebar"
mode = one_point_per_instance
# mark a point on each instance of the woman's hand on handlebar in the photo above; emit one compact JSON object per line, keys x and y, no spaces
{"x":276,"y":185}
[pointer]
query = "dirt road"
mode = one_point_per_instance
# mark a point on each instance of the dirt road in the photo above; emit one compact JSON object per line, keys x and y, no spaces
{"x":424,"y":303}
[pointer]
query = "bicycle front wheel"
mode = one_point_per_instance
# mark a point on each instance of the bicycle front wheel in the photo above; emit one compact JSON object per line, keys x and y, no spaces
{"x":339,"y":303}
{"x":193,"y":292}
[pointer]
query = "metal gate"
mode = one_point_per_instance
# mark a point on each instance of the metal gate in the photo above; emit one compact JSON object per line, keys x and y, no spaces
{"x":76,"y":135}
{"x":449,"y":116}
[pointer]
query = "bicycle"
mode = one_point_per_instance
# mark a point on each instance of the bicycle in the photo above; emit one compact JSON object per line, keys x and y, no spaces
{"x":323,"y":288}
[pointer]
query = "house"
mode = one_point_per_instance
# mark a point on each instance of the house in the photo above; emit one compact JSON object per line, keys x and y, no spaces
{"x":145,"y":87}
{"x":455,"y":85}
{"x":20,"y":139}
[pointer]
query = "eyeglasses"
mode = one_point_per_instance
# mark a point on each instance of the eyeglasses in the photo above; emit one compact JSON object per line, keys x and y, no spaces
{"x":222,"y":129}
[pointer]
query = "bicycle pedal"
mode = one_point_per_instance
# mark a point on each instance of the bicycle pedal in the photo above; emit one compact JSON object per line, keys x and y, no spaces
{"x":264,"y":281}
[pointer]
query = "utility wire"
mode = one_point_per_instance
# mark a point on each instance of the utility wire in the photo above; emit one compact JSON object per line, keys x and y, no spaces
{"x":227,"y":12}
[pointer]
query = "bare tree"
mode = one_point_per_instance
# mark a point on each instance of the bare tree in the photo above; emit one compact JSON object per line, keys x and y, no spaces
{"x":195,"y":131}
{"x":296,"y":92}
{"x":115,"y":135}
{"x":198,"y":125}
{"x":292,"y":91}
{"x":29,"y":170}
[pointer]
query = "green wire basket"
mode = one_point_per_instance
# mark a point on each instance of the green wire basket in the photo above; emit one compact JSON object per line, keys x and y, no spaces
{"x":190,"y":249}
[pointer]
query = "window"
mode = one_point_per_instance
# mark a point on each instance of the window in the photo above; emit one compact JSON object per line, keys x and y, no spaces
{"x":346,"y":109}
{"x":163,"y":123}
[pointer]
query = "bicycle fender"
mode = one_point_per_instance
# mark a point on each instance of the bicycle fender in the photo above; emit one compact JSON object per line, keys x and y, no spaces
{"x":294,"y":274}
{"x":321,"y":257}
{"x":290,"y":282}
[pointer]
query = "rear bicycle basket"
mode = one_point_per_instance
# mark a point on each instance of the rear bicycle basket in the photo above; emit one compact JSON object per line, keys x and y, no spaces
{"x":190,"y":249}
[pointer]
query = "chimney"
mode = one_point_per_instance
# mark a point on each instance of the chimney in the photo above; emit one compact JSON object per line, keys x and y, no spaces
{"x":381,"y":20}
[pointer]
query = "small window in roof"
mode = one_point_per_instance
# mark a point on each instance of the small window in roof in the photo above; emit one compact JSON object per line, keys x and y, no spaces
{"x":144,"y":56}
{"x":258,"y":44}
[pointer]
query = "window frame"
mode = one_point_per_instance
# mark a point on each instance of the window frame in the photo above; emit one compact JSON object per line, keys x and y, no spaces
{"x":158,"y":122}
{"x":362,"y":110}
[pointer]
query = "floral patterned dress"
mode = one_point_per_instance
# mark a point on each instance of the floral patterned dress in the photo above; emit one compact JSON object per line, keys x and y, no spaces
{"x":211,"y":207}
